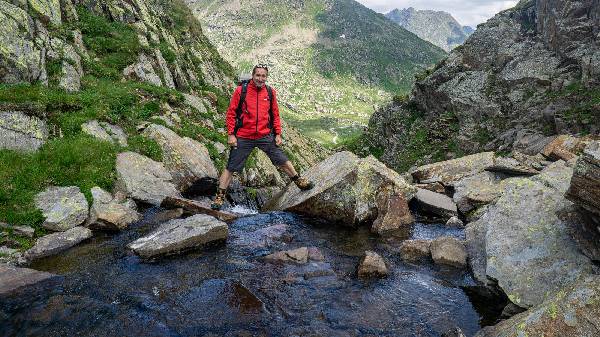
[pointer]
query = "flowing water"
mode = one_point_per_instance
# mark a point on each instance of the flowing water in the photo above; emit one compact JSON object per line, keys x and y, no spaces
{"x":229,"y":290}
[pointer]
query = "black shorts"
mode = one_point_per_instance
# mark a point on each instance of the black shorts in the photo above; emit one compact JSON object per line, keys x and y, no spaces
{"x":239,"y":154}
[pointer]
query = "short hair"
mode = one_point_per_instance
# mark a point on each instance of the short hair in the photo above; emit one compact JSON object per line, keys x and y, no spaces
{"x":261,"y":66}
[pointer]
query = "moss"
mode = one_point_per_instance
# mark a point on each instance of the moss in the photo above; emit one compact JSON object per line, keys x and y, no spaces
{"x":146,"y":146}
{"x":167,"y":53}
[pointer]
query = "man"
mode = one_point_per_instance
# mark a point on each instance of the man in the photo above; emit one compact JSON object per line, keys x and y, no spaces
{"x":254,"y":129}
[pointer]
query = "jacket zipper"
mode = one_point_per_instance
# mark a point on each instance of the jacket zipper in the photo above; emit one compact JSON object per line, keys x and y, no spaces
{"x":257,"y":111}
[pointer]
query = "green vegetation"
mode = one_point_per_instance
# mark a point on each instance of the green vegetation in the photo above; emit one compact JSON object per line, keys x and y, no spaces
{"x":584,"y":102}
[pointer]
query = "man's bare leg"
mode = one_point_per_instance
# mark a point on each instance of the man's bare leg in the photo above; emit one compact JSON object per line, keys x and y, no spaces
{"x":225,"y":179}
{"x":289,"y":169}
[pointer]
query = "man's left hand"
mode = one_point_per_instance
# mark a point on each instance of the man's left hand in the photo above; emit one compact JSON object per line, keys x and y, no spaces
{"x":278,"y":140}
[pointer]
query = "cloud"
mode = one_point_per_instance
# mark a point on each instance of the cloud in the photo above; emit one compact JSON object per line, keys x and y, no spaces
{"x":467,"y":12}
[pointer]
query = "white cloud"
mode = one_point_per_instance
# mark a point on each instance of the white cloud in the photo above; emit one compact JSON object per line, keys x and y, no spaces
{"x":467,"y":12}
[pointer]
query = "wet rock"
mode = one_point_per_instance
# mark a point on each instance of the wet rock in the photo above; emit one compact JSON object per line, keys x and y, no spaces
{"x":393,"y":213}
{"x":345,"y":190}
{"x":21,"y":132}
{"x":299,"y":255}
{"x":55,"y":243}
{"x":585,"y":183}
{"x":143,"y":71}
{"x":62,"y":207}
{"x":573,"y":311}
{"x":454,"y":222}
{"x":475,"y":244}
{"x":372,"y":265}
{"x":526,"y":246}
{"x":455,"y":169}
{"x":314,"y":254}
{"x":186,"y":159}
{"x":414,"y":250}
{"x":436,"y":203}
{"x":105,"y":131}
{"x":449,"y":251}
{"x":456,"y":332}
{"x":197,"y":207}
{"x":111,"y":213}
{"x":13,"y":278}
{"x":143,"y":179}
{"x":23,"y":231}
{"x":179,"y":235}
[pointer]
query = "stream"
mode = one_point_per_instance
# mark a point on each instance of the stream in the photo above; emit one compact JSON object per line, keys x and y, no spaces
{"x":229,"y":290}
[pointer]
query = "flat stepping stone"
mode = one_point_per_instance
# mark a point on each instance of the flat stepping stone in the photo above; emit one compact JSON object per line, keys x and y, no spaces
{"x":13,"y":278}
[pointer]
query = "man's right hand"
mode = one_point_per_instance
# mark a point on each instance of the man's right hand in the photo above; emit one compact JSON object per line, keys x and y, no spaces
{"x":232,"y":140}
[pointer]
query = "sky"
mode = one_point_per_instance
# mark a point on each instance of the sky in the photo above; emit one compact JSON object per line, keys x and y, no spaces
{"x":466,"y":12}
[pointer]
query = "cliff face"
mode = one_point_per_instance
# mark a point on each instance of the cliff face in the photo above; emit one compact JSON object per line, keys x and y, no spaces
{"x":437,"y":27}
{"x":528,"y":73}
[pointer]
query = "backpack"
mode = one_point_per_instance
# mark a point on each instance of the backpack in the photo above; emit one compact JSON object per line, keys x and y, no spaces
{"x":238,"y":112}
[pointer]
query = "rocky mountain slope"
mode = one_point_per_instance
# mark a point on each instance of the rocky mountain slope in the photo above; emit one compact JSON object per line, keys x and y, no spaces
{"x":125,"y":95}
{"x":437,"y":27}
{"x":529,"y":73}
{"x":331,"y":60}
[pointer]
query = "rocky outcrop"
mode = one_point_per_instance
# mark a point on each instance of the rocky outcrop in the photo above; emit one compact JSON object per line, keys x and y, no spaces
{"x":372,"y":265}
{"x":144,"y":179}
{"x":62,"y":207}
{"x":105,"y":131}
{"x":186,"y":159}
{"x":21,"y":132}
{"x":179,"y":235}
{"x":523,"y":244}
{"x":345,"y":190}
{"x":524,"y":75}
{"x":111,"y":213}
{"x":143,"y":71}
{"x":55,"y":243}
{"x":585,"y":183}
{"x":13,"y":278}
{"x":573,"y":311}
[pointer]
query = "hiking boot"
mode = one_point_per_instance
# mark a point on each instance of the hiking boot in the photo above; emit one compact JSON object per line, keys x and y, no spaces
{"x":219,"y":200}
{"x":303,"y":183}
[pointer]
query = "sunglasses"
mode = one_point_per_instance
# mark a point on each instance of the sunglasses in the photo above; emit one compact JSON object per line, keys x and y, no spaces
{"x":263,"y":66}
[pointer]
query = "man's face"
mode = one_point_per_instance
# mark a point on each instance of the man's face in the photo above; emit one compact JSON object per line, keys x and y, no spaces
{"x":259,"y":77}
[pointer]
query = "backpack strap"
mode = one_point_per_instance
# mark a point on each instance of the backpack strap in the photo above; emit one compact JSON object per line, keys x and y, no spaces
{"x":271,"y":118}
{"x":238,"y":112}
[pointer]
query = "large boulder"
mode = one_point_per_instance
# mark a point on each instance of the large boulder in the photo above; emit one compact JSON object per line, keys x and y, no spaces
{"x":345,"y":190}
{"x":179,"y":235}
{"x":186,"y":159}
{"x":573,"y":311}
{"x":393,"y":213}
{"x":477,"y":190}
{"x":111,"y":213}
{"x":62,"y":207}
{"x":585,"y":183}
{"x":144,"y":179}
{"x":21,"y":132}
{"x":57,"y":242}
{"x":455,"y":169}
{"x":13,"y":278}
{"x":522,"y":242}
{"x":105,"y":131}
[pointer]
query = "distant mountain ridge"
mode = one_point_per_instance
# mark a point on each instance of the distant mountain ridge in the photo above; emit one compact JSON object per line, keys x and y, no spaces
{"x":331,"y":61}
{"x":437,"y":27}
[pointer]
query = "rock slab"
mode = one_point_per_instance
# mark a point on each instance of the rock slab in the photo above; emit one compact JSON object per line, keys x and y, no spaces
{"x":436,"y":203}
{"x":57,"y":242}
{"x":455,"y":169}
{"x":62,"y":207}
{"x":13,"y":278}
{"x":584,"y":189}
{"x":21,"y":132}
{"x":179,"y":235}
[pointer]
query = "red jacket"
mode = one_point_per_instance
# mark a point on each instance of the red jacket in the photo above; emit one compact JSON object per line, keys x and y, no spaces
{"x":255,"y":113}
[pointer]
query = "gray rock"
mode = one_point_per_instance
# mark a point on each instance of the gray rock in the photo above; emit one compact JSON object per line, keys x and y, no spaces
{"x":105,"y":131}
{"x":511,"y":166}
{"x":164,"y":68}
{"x":584,"y":188}
{"x":186,"y":159}
{"x":436,"y":203}
{"x":55,"y":243}
{"x":23,"y":231}
{"x":50,"y":9}
{"x":455,"y":169}
{"x":179,"y":235}
{"x":195,"y":102}
{"x":143,"y":179}
{"x":477,"y":190}
{"x":62,"y":207}
{"x":449,"y":251}
{"x":455,"y":222}
{"x":393,"y":213}
{"x":220,"y":147}
{"x":143,"y":71}
{"x":372,"y":265}
{"x":414,"y":250}
{"x":528,"y":249}
{"x":299,"y":255}
{"x":13,"y":278}
{"x":111,"y":213}
{"x":70,"y":79}
{"x":21,"y":132}
{"x":345,"y":190}
{"x":8,"y":251}
{"x":574,"y":311}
